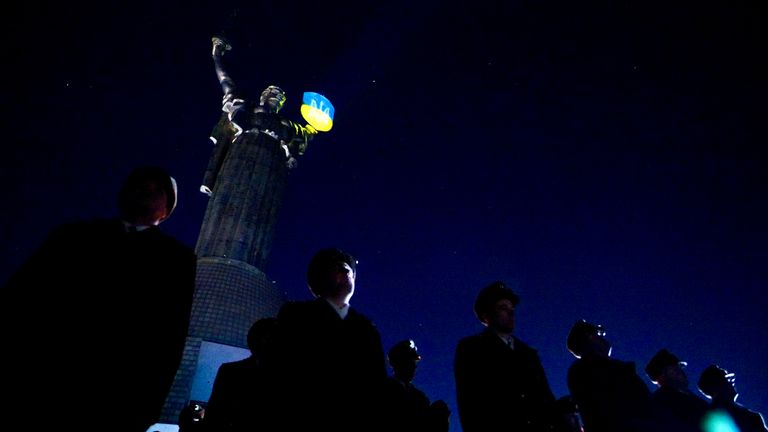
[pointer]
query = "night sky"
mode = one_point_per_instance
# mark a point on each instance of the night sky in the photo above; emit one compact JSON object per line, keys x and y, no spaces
{"x":605,"y":159}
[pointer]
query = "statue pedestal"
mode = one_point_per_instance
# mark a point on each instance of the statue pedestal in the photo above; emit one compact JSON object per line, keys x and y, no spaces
{"x":230,"y":296}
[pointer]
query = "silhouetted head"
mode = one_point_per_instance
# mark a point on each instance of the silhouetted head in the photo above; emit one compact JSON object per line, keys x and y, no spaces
{"x":272,"y":98}
{"x":718,"y":384}
{"x":148,"y":196}
{"x":665,"y":368}
{"x":586,"y":338}
{"x":402,"y":357}
{"x":403,"y":351}
{"x":488,"y":301}
{"x":259,"y":334}
{"x":329,"y":273}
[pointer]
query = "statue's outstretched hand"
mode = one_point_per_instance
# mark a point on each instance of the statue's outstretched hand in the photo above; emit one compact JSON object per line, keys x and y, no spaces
{"x":220,"y":46}
{"x":311,"y":132}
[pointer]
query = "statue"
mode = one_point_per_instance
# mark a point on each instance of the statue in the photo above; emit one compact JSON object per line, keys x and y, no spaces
{"x":254,"y":147}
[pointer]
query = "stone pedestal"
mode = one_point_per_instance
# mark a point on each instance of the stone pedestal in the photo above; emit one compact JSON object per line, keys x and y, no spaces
{"x":230,"y":295}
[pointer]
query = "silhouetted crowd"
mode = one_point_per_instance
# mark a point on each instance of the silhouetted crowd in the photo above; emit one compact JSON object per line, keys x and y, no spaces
{"x":321,"y":366}
{"x":102,"y":310}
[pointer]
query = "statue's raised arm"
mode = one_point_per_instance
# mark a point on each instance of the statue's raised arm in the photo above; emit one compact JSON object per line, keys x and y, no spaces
{"x":221,"y":46}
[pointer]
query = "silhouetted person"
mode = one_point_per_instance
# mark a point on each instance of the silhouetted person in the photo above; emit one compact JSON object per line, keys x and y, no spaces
{"x":500,"y":382}
{"x":567,"y":415}
{"x":609,"y":393}
{"x":674,"y":407}
{"x":248,"y":168}
{"x":327,"y":358}
{"x":239,"y":398}
{"x":101,"y":310}
{"x":407,"y":407}
{"x":719,"y":385}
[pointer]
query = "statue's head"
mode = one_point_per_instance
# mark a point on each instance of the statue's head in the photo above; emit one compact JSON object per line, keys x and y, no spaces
{"x":272,"y":98}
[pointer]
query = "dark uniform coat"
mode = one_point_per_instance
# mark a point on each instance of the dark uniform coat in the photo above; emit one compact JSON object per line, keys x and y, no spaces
{"x":501,"y":389}
{"x":746,"y":419}
{"x":675,"y":410}
{"x":99,"y":318}
{"x":610,"y":395}
{"x":330,"y":372}
{"x":238,"y":398}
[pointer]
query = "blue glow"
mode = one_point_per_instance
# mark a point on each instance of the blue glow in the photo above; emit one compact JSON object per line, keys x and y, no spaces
{"x":719,"y":421}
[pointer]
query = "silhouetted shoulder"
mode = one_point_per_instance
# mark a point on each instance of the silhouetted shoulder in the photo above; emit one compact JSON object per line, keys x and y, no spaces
{"x":354,"y":314}
{"x":91,"y":230}
{"x":294,"y":308}
{"x":174,"y":244}
{"x":524,"y":347}
{"x":470,"y":340}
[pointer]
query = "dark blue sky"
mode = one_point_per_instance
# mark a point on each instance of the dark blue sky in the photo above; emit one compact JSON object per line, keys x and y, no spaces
{"x":606,"y":160}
